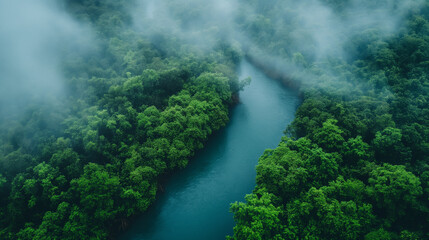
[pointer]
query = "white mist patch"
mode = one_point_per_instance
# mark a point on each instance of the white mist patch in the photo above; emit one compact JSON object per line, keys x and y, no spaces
{"x":150,"y":10}
{"x":328,"y":30}
{"x":319,"y":23}
{"x":197,"y":22}
{"x":314,"y":27}
{"x":34,"y":35}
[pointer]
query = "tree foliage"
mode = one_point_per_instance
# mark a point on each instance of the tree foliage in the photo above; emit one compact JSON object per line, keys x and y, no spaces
{"x":133,"y":113}
{"x":355,"y":162}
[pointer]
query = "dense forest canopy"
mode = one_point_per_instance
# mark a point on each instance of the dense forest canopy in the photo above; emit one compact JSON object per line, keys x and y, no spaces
{"x":101,"y":100}
{"x":354,"y":163}
{"x":102,"y":117}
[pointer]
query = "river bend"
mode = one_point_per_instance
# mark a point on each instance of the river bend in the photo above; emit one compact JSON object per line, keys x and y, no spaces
{"x":195,"y":203}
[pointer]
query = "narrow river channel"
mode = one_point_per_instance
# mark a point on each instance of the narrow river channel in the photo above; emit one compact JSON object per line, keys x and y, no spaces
{"x":195,"y":203}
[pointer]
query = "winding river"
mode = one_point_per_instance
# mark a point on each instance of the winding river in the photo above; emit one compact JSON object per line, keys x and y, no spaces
{"x":195,"y":203}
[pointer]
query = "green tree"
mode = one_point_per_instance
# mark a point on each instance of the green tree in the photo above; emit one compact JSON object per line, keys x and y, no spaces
{"x":257,"y":219}
{"x":329,"y":137}
{"x":389,"y":147}
{"x":395,"y":191}
{"x":97,"y":191}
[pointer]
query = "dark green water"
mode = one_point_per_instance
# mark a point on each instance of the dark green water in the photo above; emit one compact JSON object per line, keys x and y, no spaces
{"x":195,"y":204}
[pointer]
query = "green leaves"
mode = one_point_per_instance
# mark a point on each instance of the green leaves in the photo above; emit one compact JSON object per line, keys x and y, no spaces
{"x":394,"y":189}
{"x":133,"y":109}
{"x":316,"y":215}
{"x":258,"y":219}
{"x":97,"y":191}
{"x":389,"y":147}
{"x":356,"y":165}
{"x":213,"y":83}
{"x":355,"y":150}
{"x":329,"y":137}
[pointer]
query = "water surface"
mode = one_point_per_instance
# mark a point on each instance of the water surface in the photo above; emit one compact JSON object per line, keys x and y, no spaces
{"x":195,"y":203}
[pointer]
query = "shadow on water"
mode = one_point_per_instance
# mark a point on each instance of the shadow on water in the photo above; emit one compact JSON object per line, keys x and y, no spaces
{"x":195,"y":203}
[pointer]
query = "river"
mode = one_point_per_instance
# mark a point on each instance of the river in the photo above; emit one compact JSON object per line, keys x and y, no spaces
{"x":195,"y":203}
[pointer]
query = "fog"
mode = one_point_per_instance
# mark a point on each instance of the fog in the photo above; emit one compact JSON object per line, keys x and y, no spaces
{"x":201,"y":23}
{"x":34,"y":36}
{"x":311,"y":27}
{"x":328,"y":30}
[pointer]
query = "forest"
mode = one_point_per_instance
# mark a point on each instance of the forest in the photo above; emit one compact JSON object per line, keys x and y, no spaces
{"x":132,"y":90}
{"x":134,"y":112}
{"x":354,"y":162}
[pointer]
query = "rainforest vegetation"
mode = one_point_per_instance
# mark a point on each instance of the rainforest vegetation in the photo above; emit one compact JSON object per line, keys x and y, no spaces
{"x":138,"y":103}
{"x":354,"y":162}
{"x":133,"y":113}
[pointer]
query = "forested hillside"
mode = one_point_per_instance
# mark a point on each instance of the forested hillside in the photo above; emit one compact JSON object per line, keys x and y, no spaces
{"x":354,"y":162}
{"x":80,"y":166}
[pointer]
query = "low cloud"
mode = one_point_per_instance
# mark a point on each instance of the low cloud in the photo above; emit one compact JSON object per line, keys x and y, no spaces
{"x":34,"y":36}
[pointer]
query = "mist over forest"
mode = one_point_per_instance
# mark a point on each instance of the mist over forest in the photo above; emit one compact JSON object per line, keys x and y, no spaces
{"x":37,"y":43}
{"x":35,"y":36}
{"x":100,"y":101}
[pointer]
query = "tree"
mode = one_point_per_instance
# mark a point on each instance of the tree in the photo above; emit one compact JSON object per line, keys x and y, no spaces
{"x":329,"y":137}
{"x":389,"y":147}
{"x":282,"y":172}
{"x":257,"y":219}
{"x":97,"y":191}
{"x":317,"y":216}
{"x":355,"y":150}
{"x":394,"y":191}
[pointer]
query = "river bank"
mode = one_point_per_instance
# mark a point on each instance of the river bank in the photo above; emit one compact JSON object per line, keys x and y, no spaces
{"x":195,"y":203}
